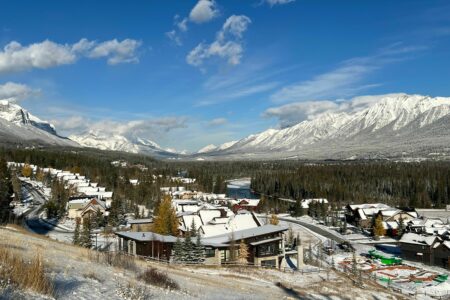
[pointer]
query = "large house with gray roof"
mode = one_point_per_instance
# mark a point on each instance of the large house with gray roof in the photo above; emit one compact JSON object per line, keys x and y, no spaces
{"x":265,"y":244}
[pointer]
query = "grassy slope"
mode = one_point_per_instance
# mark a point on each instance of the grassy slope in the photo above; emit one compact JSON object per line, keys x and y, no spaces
{"x":76,"y":276}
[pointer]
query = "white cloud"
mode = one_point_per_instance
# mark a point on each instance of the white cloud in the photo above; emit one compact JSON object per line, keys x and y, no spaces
{"x":47,"y":54}
{"x":15,"y":91}
{"x":182,"y":25}
{"x":228,"y":44}
{"x":143,"y":128}
{"x":116,"y":52}
{"x":204,"y":11}
{"x":347,"y":79}
{"x":217,"y":122}
{"x":174,"y":37}
{"x":278,"y":2}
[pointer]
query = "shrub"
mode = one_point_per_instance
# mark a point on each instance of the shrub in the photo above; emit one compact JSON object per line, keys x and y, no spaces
{"x":154,"y":277}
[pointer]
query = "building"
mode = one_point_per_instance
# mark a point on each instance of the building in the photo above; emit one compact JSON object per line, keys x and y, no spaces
{"x":421,"y":248}
{"x":85,"y":208}
{"x":265,"y":244}
{"x":141,"y":225}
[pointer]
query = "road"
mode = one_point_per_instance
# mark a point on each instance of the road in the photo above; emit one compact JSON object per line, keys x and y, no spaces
{"x":315,"y":229}
{"x":33,"y":222}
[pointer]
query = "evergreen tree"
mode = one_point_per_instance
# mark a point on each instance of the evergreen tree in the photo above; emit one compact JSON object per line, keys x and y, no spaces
{"x":86,"y":235}
{"x":187,"y":249}
{"x":198,"y":254}
{"x":401,"y":226}
{"x":178,"y":250}
{"x":5,"y":192}
{"x":193,"y":229}
{"x":76,"y":233}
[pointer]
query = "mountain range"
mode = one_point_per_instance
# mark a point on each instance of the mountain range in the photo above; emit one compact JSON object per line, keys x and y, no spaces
{"x":390,"y":126}
{"x":393,"y":125}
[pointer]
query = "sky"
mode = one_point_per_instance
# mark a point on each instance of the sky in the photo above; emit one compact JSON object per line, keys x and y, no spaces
{"x":188,"y":73}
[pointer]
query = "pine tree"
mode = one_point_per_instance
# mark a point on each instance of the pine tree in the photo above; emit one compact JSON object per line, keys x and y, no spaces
{"x":76,"y":233}
{"x":193,"y":229}
{"x":178,"y":250}
{"x":401,"y":227}
{"x":199,"y":251}
{"x":86,"y":236}
{"x":187,"y":249}
{"x":243,"y":253}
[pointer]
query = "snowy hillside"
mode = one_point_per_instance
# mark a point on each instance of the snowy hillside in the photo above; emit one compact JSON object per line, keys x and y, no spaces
{"x":104,"y":141}
{"x":393,"y":125}
{"x":17,"y":125}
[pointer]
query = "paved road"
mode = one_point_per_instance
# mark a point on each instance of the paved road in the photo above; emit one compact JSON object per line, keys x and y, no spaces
{"x":315,"y":229}
{"x":32,"y":221}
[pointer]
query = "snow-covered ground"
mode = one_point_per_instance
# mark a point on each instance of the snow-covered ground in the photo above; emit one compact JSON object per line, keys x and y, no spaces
{"x":77,"y":276}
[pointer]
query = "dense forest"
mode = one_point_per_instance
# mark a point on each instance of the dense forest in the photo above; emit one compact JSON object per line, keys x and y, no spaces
{"x":425,"y":184}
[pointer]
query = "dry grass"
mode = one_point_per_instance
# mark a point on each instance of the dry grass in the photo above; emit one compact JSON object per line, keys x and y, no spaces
{"x":28,"y":275}
{"x":155,"y":277}
{"x":92,"y":275}
{"x":115,"y":259}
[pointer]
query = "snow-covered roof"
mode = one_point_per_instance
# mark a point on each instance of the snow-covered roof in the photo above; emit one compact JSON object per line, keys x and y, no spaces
{"x":147,"y":236}
{"x":208,"y":215}
{"x":140,"y":221}
{"x":413,"y":238}
{"x":187,"y":222}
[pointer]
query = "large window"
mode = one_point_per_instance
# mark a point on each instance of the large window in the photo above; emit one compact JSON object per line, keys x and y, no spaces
{"x":267,"y":249}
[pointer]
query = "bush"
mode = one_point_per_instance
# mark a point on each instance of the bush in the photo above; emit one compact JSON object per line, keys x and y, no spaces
{"x":115,"y":259}
{"x":154,"y":277}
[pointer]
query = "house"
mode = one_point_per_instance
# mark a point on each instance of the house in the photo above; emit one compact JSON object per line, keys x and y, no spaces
{"x":420,"y":248}
{"x":362,"y":214}
{"x":247,"y":204}
{"x":85,"y":207}
{"x":265,"y":244}
{"x":140,"y":225}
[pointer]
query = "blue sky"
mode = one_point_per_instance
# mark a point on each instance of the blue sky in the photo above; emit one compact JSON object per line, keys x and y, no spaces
{"x":189,"y":73}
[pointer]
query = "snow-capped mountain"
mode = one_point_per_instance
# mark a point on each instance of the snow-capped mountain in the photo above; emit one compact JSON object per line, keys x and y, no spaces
{"x":117,"y":142}
{"x":212,"y":147}
{"x":18,"y":126}
{"x":392,"y":125}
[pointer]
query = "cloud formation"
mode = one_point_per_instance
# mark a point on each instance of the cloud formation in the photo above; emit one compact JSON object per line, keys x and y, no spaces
{"x":278,"y":2}
{"x":227,"y":45}
{"x":143,"y":128}
{"x":347,"y":79}
{"x":47,"y":54}
{"x":15,"y":91}
{"x":217,"y":122}
{"x":204,"y":11}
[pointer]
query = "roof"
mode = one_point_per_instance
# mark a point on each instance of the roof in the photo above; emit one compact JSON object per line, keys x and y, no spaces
{"x":146,"y":236}
{"x":413,"y":238}
{"x":223,"y":239}
{"x":140,"y":221}
{"x":208,"y":215}
{"x":265,"y":241}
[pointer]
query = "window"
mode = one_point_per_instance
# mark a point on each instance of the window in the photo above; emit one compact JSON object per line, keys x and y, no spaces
{"x":269,"y":263}
{"x":267,"y":249}
{"x":210,"y":252}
